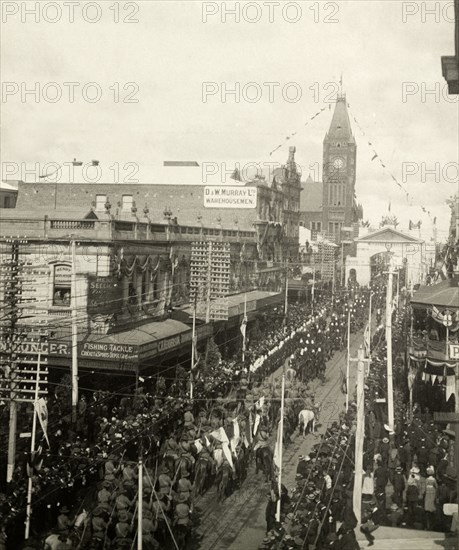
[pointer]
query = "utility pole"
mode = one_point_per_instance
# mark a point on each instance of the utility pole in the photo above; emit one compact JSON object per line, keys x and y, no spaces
{"x":193,"y":347}
{"x":359,"y":434}
{"x":32,"y":443}
{"x":140,"y":500}
{"x":12,"y":300}
{"x":74,"y":333}
{"x":390,"y":387}
{"x":286,"y":293}
{"x":209,"y":280}
{"x":280,"y":445}
{"x":348,"y":359}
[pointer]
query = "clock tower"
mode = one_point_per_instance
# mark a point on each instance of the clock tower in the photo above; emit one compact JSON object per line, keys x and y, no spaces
{"x":339,"y":164}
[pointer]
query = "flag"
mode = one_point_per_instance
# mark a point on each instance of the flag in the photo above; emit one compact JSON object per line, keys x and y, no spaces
{"x":366,"y":340}
{"x":343,"y":383}
{"x":389,"y":207}
{"x":95,"y":163}
{"x":34,"y":462}
{"x":42,"y":413}
{"x":374,"y":156}
{"x":277,"y":447}
{"x":77,"y":162}
{"x":243,"y":329}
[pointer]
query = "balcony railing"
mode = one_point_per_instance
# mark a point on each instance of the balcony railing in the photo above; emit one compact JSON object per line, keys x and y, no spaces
{"x":111,"y":229}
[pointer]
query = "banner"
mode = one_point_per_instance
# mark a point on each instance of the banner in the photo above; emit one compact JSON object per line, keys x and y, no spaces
{"x":277,"y":447}
{"x":42,"y":413}
{"x":366,"y":340}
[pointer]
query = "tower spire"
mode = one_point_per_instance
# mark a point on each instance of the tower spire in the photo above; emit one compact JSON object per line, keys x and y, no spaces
{"x":340,"y":126}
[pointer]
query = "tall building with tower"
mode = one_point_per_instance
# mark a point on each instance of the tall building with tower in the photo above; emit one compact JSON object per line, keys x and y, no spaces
{"x":330,"y":207}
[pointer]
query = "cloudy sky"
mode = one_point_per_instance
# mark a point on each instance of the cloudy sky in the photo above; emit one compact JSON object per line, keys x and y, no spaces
{"x":150,"y":69}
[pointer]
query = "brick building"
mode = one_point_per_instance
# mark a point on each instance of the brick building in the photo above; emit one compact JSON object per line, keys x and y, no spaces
{"x":132,"y":260}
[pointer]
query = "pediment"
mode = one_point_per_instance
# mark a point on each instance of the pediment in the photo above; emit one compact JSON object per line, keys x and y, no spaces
{"x":388,"y":234}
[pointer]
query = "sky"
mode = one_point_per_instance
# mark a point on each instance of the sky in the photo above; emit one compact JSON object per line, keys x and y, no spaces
{"x":140,"y":70}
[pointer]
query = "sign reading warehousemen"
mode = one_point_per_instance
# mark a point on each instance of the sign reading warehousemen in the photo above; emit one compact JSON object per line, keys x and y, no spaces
{"x":234,"y":196}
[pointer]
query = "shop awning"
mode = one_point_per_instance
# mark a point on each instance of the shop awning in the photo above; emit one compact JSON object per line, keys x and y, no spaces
{"x":443,"y":295}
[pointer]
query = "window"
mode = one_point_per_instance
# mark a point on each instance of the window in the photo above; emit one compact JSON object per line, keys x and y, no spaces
{"x":316,"y":226}
{"x":100,"y":202}
{"x":62,"y":285}
{"x":337,"y":194}
{"x":126,"y":202}
{"x":7,"y":202}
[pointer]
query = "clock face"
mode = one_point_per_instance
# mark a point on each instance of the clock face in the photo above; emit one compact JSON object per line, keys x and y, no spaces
{"x":338,"y":163}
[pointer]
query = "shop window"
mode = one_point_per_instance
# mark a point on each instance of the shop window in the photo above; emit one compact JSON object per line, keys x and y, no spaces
{"x":62,"y":286}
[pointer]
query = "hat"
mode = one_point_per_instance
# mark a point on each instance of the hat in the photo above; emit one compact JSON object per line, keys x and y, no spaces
{"x":181,"y":498}
{"x":399,"y":469}
{"x":106,"y":484}
{"x":385,"y":440}
{"x":394,"y":507}
{"x":415,"y":470}
{"x":64,"y":510}
{"x":122,"y":530}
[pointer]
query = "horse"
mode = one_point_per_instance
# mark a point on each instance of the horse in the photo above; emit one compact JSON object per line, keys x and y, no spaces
{"x":264,"y":461}
{"x":225,"y":476}
{"x":307,"y":421}
{"x":203,"y":471}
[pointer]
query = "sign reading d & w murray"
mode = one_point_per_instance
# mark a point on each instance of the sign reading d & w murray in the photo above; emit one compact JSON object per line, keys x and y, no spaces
{"x":230,"y":196}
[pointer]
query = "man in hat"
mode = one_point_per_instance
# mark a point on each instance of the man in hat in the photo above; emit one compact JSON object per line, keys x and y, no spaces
{"x":105,"y":496}
{"x":164,"y":480}
{"x":64,"y":523}
{"x":122,"y":539}
{"x":398,"y":483}
{"x":122,"y":501}
{"x":182,"y":516}
{"x":184,"y":487}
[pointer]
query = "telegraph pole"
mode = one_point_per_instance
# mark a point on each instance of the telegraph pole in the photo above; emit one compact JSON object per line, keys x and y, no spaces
{"x":360,"y":433}
{"x":280,"y":445}
{"x":13,"y":291}
{"x":209,"y":281}
{"x":73,"y":297}
{"x":390,"y":387}
{"x":32,"y":444}
{"x":193,"y":347}
{"x":286,"y":293}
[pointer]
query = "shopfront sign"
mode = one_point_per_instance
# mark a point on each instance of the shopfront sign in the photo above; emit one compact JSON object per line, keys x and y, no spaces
{"x":230,"y":196}
{"x":454,"y":351}
{"x":108,"y":351}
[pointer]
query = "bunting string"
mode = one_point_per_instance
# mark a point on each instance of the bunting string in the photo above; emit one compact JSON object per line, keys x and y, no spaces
{"x":376,"y":156}
{"x":287,"y":138}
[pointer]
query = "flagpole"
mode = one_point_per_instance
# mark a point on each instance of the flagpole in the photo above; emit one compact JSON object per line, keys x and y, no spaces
{"x":280,"y":442}
{"x":140,"y":502}
{"x":390,"y":388}
{"x":245,"y":328}
{"x":32,"y":445}
{"x":348,"y":353}
{"x":369,"y":332}
{"x":193,"y":344}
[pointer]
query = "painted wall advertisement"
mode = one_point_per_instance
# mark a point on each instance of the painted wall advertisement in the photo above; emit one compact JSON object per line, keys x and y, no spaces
{"x":230,"y":196}
{"x":104,"y":294}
